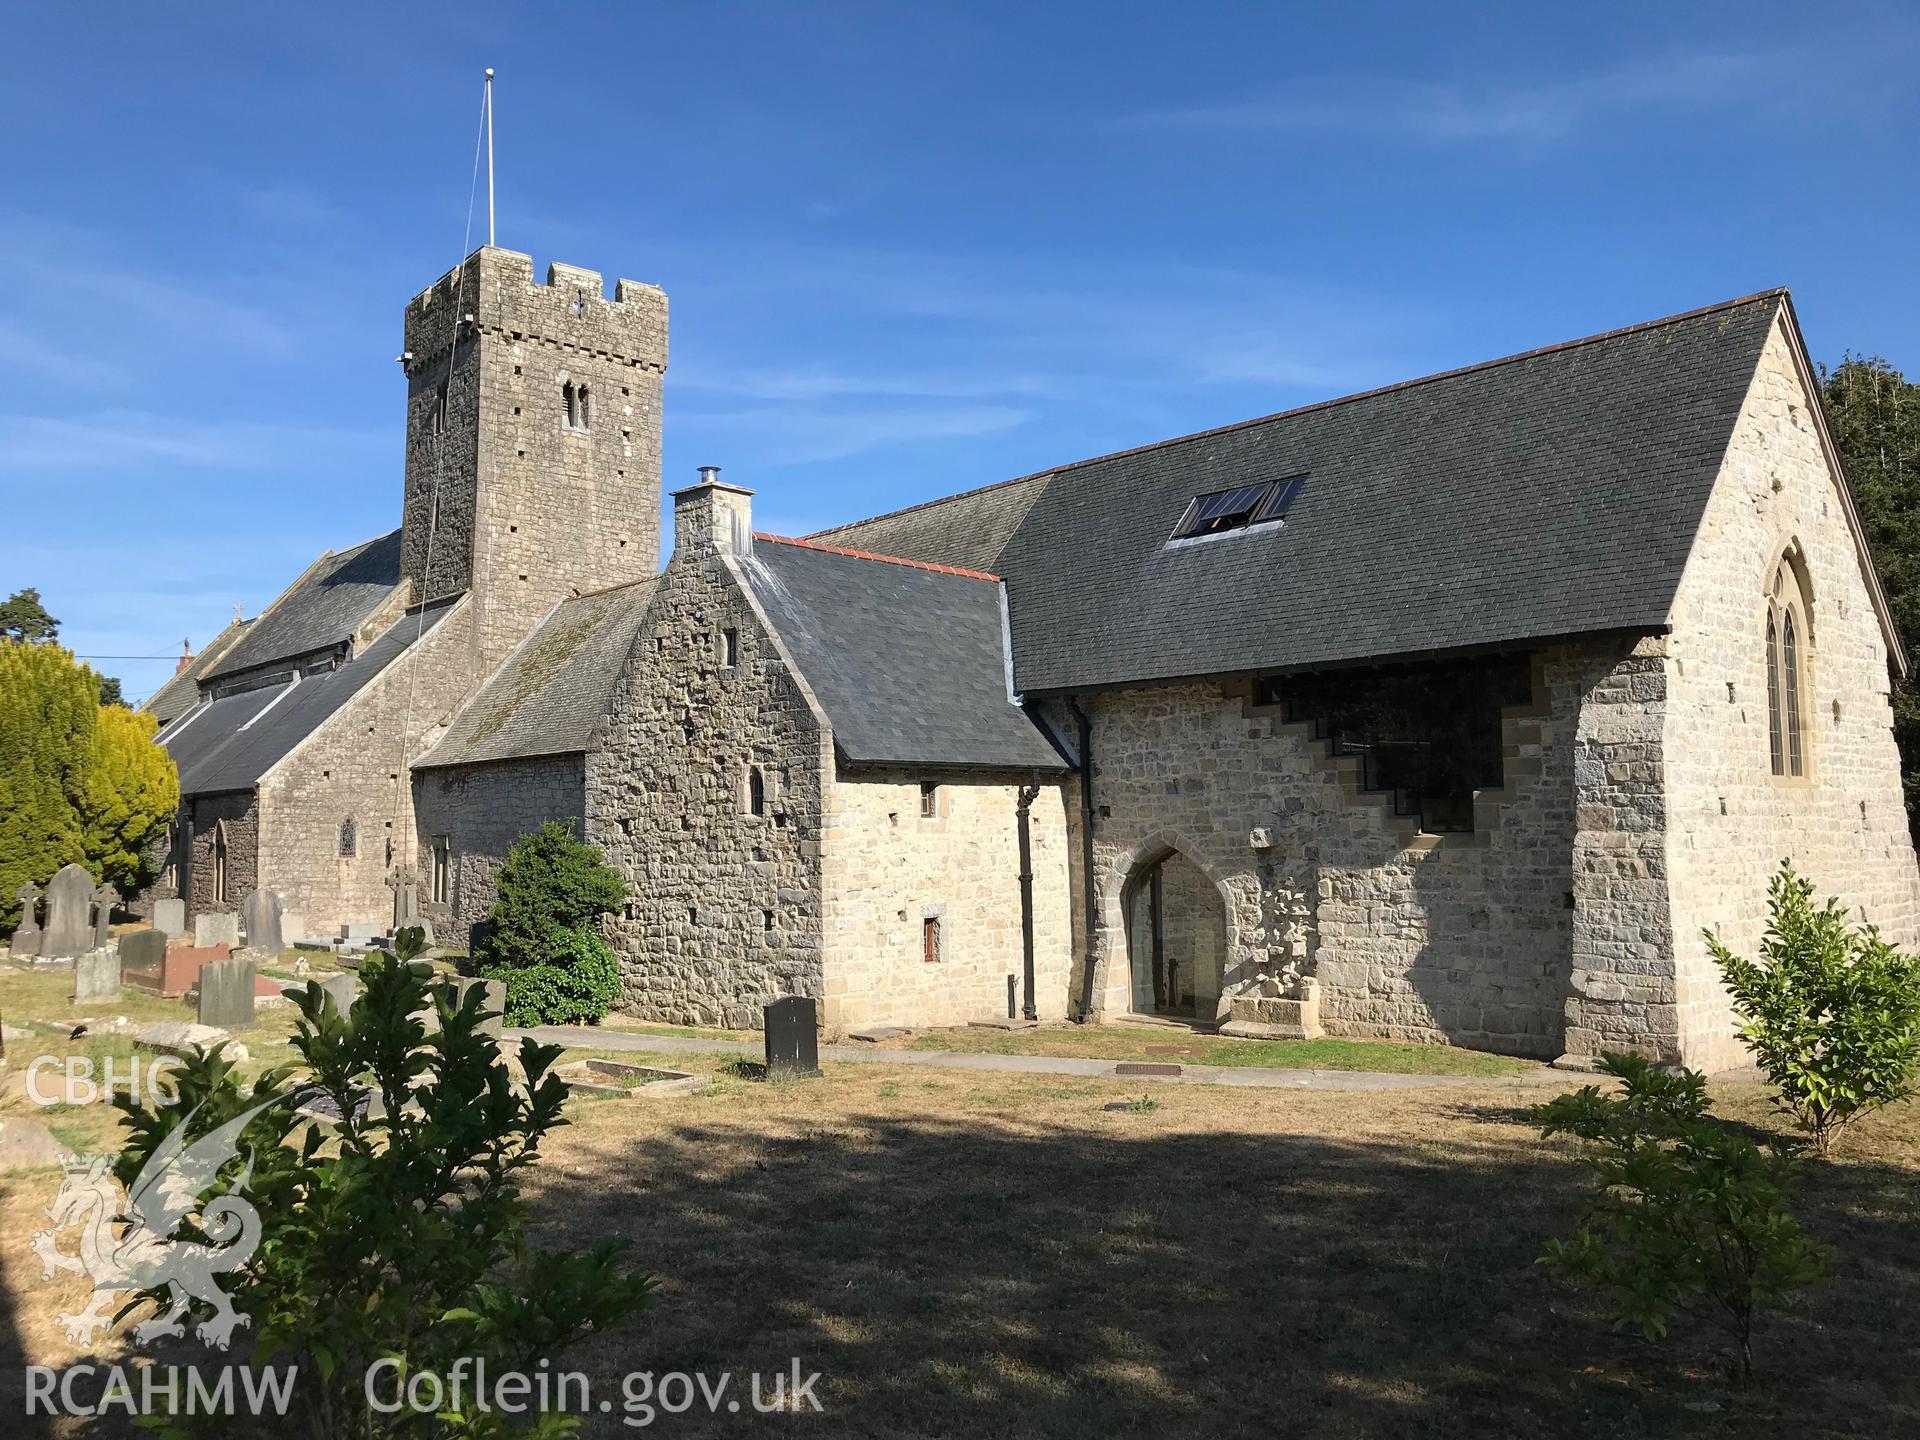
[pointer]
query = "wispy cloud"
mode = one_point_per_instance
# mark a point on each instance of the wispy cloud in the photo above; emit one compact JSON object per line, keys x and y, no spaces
{"x":808,"y":436}
{"x":1461,"y":112}
{"x":113,"y":439}
{"x":31,"y":354}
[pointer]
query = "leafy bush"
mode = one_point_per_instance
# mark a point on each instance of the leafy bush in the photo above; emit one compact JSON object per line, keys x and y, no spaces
{"x":580,"y":986}
{"x":1831,"y":1013}
{"x":1686,"y":1211}
{"x":551,"y":883}
{"x":400,"y":1232}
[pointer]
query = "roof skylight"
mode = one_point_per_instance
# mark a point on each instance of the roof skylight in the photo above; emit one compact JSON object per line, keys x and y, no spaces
{"x":1220,"y":511}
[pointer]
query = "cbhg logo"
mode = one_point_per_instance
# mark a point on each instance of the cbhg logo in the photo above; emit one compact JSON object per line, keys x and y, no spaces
{"x":145,"y":1255}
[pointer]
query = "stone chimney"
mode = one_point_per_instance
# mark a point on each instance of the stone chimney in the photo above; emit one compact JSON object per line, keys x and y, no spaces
{"x":712,"y":517}
{"x":186,"y":657}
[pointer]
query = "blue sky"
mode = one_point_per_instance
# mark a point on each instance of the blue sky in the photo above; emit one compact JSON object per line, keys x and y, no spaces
{"x":909,"y":249}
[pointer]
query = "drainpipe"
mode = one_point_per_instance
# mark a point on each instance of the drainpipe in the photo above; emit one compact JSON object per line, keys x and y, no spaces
{"x":1028,"y":794}
{"x":1086,"y":853}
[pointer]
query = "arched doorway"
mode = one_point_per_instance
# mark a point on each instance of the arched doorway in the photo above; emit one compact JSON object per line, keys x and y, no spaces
{"x":1176,"y":939}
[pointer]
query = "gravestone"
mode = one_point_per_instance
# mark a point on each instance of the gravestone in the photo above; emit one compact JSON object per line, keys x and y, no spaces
{"x":144,"y":951}
{"x":226,"y":993}
{"x":212,"y":929}
{"x":170,"y":917}
{"x":293,"y":927}
{"x":103,"y":899}
{"x":493,"y":1001}
{"x":406,"y":911}
{"x":344,"y":989}
{"x":69,"y":914}
{"x":260,"y":918}
{"x":26,"y":939}
{"x":361,"y":934}
{"x":96,"y":975}
{"x":793,"y":1036}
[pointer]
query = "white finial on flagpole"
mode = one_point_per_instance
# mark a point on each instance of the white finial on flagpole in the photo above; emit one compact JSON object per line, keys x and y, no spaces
{"x":489,"y":156}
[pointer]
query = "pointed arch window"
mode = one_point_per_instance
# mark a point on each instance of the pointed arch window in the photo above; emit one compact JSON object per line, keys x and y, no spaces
{"x":1788,"y":631}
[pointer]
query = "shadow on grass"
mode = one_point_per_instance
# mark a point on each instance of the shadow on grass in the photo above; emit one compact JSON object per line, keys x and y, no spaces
{"x":967,"y":1279}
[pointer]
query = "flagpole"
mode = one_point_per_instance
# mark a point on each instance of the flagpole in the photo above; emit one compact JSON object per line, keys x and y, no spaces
{"x":489,"y":157}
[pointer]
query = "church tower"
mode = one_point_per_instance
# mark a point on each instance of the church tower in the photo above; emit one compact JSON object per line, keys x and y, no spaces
{"x":533,"y":440}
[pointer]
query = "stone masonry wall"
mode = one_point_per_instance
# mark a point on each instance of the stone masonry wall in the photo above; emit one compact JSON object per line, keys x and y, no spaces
{"x":726,"y":906}
{"x":1460,"y":939}
{"x":239,"y":811}
{"x":1731,"y":821}
{"x":482,"y":810}
{"x":887,"y":869}
{"x":532,"y":509}
{"x":350,"y":767}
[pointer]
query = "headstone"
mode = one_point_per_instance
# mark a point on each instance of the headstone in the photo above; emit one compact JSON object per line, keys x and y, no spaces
{"x":103,"y":899}
{"x":216,"y":929}
{"x":170,"y":917}
{"x":96,"y":975}
{"x":26,"y":939}
{"x":182,"y":1037}
{"x":360,"y":934}
{"x":344,"y":989}
{"x":493,"y":1001}
{"x":144,"y":951}
{"x":226,"y":993}
{"x":260,"y":918}
{"x":69,"y":914}
{"x":293,"y":927}
{"x":406,"y":911}
{"x":793,"y":1036}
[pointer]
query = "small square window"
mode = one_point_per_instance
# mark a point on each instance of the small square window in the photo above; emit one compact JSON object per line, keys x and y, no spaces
{"x":929,"y":800}
{"x":930,"y":940}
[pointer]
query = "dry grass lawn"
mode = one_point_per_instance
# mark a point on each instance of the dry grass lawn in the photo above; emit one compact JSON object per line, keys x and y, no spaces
{"x":967,"y":1254}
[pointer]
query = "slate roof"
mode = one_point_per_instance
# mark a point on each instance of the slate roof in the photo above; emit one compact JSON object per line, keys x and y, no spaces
{"x":1547,"y":494}
{"x":547,"y":696}
{"x":322,"y":608}
{"x":182,"y":692}
{"x":229,"y":743}
{"x":908,"y":661}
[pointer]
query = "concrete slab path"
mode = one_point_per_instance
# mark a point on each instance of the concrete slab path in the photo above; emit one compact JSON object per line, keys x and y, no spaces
{"x":592,"y":1037}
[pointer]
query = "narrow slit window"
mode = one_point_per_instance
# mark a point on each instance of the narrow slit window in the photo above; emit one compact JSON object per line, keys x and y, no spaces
{"x":1790,"y":662}
{"x":756,"y":792}
{"x":220,"y":863}
{"x":730,"y":648}
{"x":1773,"y":697}
{"x":442,"y":870}
{"x":930,"y":940}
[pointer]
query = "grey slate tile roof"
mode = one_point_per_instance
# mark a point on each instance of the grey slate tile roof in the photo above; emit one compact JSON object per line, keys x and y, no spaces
{"x":908,"y":662}
{"x":1545,"y":495}
{"x":548,"y":695}
{"x":322,"y":608}
{"x":182,"y":692}
{"x":229,"y":743}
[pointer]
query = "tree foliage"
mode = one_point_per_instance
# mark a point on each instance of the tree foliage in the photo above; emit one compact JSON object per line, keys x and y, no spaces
{"x":1832,"y":1013}
{"x":1687,"y":1212}
{"x":1876,"y":425}
{"x":132,"y":793}
{"x":76,"y":782}
{"x":399,"y":1233}
{"x":23,"y":617}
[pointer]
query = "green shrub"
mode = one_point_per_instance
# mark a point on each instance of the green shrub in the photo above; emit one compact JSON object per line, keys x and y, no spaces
{"x":1831,"y":1013}
{"x":550,"y":884}
{"x":1687,"y":1211}
{"x":578,"y":987}
{"x":400,"y":1234}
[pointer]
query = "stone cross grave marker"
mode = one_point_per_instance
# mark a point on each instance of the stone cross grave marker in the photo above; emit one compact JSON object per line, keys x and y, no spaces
{"x":170,"y":917}
{"x":26,"y":940}
{"x":103,"y":899}
{"x":260,"y":918}
{"x":226,"y":993}
{"x":793,"y":1036}
{"x":69,"y":914}
{"x":96,"y":975}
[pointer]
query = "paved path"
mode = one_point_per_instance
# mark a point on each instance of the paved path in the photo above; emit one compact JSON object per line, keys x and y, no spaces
{"x":595,"y":1038}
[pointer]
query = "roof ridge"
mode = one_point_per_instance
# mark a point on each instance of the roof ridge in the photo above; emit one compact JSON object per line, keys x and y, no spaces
{"x":1775,"y":293}
{"x":874,"y":555}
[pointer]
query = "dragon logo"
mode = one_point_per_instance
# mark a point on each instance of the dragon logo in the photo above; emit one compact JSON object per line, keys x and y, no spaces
{"x":145,"y":1255}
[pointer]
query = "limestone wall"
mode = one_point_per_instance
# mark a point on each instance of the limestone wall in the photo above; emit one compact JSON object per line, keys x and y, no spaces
{"x":887,"y":869}
{"x":1463,"y":939}
{"x":1730,"y":819}
{"x":350,"y":767}
{"x":726,"y":907}
{"x":239,"y":813}
{"x":482,"y":810}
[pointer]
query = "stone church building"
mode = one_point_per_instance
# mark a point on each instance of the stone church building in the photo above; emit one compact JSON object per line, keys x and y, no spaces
{"x":1451,"y":712}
